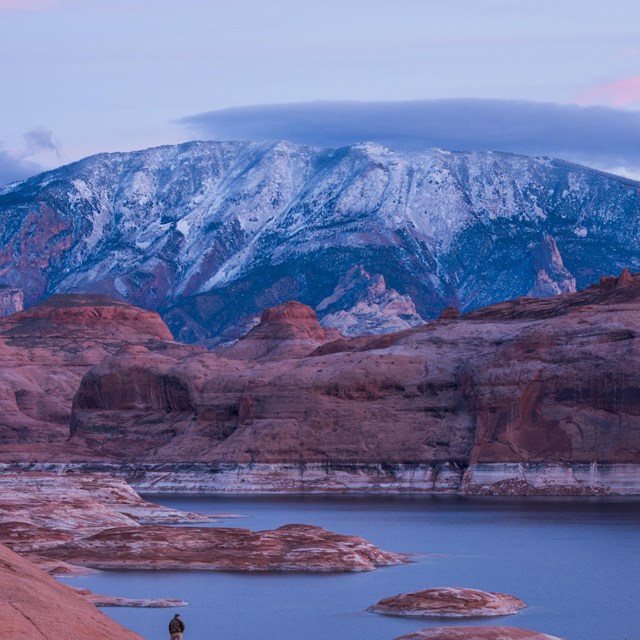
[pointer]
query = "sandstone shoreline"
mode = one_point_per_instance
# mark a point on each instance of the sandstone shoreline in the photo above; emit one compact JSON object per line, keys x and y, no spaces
{"x":65,"y":521}
{"x":497,"y":479}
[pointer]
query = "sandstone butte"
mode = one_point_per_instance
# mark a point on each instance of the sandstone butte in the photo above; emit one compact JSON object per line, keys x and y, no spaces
{"x":526,"y":396}
{"x":448,"y":602}
{"x":476,"y":633}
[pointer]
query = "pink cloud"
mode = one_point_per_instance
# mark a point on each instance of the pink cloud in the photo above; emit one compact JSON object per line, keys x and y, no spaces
{"x":621,"y":93}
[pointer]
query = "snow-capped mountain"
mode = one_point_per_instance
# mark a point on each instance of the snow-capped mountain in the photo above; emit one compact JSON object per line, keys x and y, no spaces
{"x":211,"y":233}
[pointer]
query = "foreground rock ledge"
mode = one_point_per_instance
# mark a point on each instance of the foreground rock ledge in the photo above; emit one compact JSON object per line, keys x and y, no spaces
{"x":449,"y":602}
{"x":34,"y":606}
{"x":294,"y":547}
{"x":476,"y":633}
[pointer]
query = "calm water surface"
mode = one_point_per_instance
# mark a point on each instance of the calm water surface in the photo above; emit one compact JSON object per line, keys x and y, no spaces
{"x":575,"y":562}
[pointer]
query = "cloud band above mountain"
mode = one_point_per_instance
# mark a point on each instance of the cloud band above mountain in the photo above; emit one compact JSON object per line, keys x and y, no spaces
{"x":601,"y":137}
{"x":15,"y":166}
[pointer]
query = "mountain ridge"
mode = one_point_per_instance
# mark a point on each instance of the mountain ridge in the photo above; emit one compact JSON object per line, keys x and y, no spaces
{"x":208,"y":233}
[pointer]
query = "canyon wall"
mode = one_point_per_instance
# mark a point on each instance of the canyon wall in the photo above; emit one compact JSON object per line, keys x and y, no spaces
{"x":526,"y":396}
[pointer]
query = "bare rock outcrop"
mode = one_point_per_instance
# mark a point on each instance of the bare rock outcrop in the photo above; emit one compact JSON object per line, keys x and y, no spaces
{"x":564,"y":387}
{"x":46,"y":350}
{"x":35,"y":606}
{"x":476,"y":633}
{"x":362,"y":304}
{"x":11,"y":300}
{"x":100,"y":600}
{"x":526,"y":382}
{"x":41,"y":511}
{"x":293,"y":547}
{"x":449,"y":313}
{"x":65,"y":522}
{"x":86,"y":316}
{"x":449,"y":602}
{"x":552,"y":277}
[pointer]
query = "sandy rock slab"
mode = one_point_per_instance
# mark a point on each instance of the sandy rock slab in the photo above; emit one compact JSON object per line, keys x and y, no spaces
{"x":476,"y":633}
{"x":294,"y":547}
{"x":97,"y":522}
{"x":100,"y":600}
{"x":449,"y":602}
{"x":60,"y":569}
{"x":40,"y":510}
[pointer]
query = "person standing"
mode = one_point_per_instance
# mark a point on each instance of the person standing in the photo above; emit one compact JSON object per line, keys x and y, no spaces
{"x":176,"y":627}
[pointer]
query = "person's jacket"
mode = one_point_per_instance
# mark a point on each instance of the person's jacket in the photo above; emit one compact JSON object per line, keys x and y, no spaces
{"x":176,"y":626}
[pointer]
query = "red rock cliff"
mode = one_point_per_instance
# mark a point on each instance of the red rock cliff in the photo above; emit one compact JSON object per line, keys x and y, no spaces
{"x":46,"y":350}
{"x":550,"y":380}
{"x":526,"y":380}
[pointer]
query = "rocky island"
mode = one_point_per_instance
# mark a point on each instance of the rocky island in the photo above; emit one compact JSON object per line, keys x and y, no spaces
{"x":449,"y":602}
{"x":294,"y":547}
{"x":476,"y":633}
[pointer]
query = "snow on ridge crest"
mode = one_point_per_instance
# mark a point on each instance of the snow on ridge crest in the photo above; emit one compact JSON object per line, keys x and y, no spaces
{"x":162,"y":224}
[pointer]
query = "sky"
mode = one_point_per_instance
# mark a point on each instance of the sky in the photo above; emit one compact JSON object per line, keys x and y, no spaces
{"x":542,"y":77}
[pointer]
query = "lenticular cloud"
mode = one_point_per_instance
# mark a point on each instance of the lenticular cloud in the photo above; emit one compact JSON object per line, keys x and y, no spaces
{"x":601,"y":137}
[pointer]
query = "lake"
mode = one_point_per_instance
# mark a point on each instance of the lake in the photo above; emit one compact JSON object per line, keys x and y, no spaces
{"x":575,"y":562}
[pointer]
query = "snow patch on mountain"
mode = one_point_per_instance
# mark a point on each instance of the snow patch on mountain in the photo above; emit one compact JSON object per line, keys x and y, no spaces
{"x":211,"y":232}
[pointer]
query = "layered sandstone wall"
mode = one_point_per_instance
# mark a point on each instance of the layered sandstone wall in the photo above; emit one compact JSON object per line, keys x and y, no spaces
{"x":533,"y":394}
{"x":528,"y":381}
{"x":516,"y":479}
{"x":46,"y":350}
